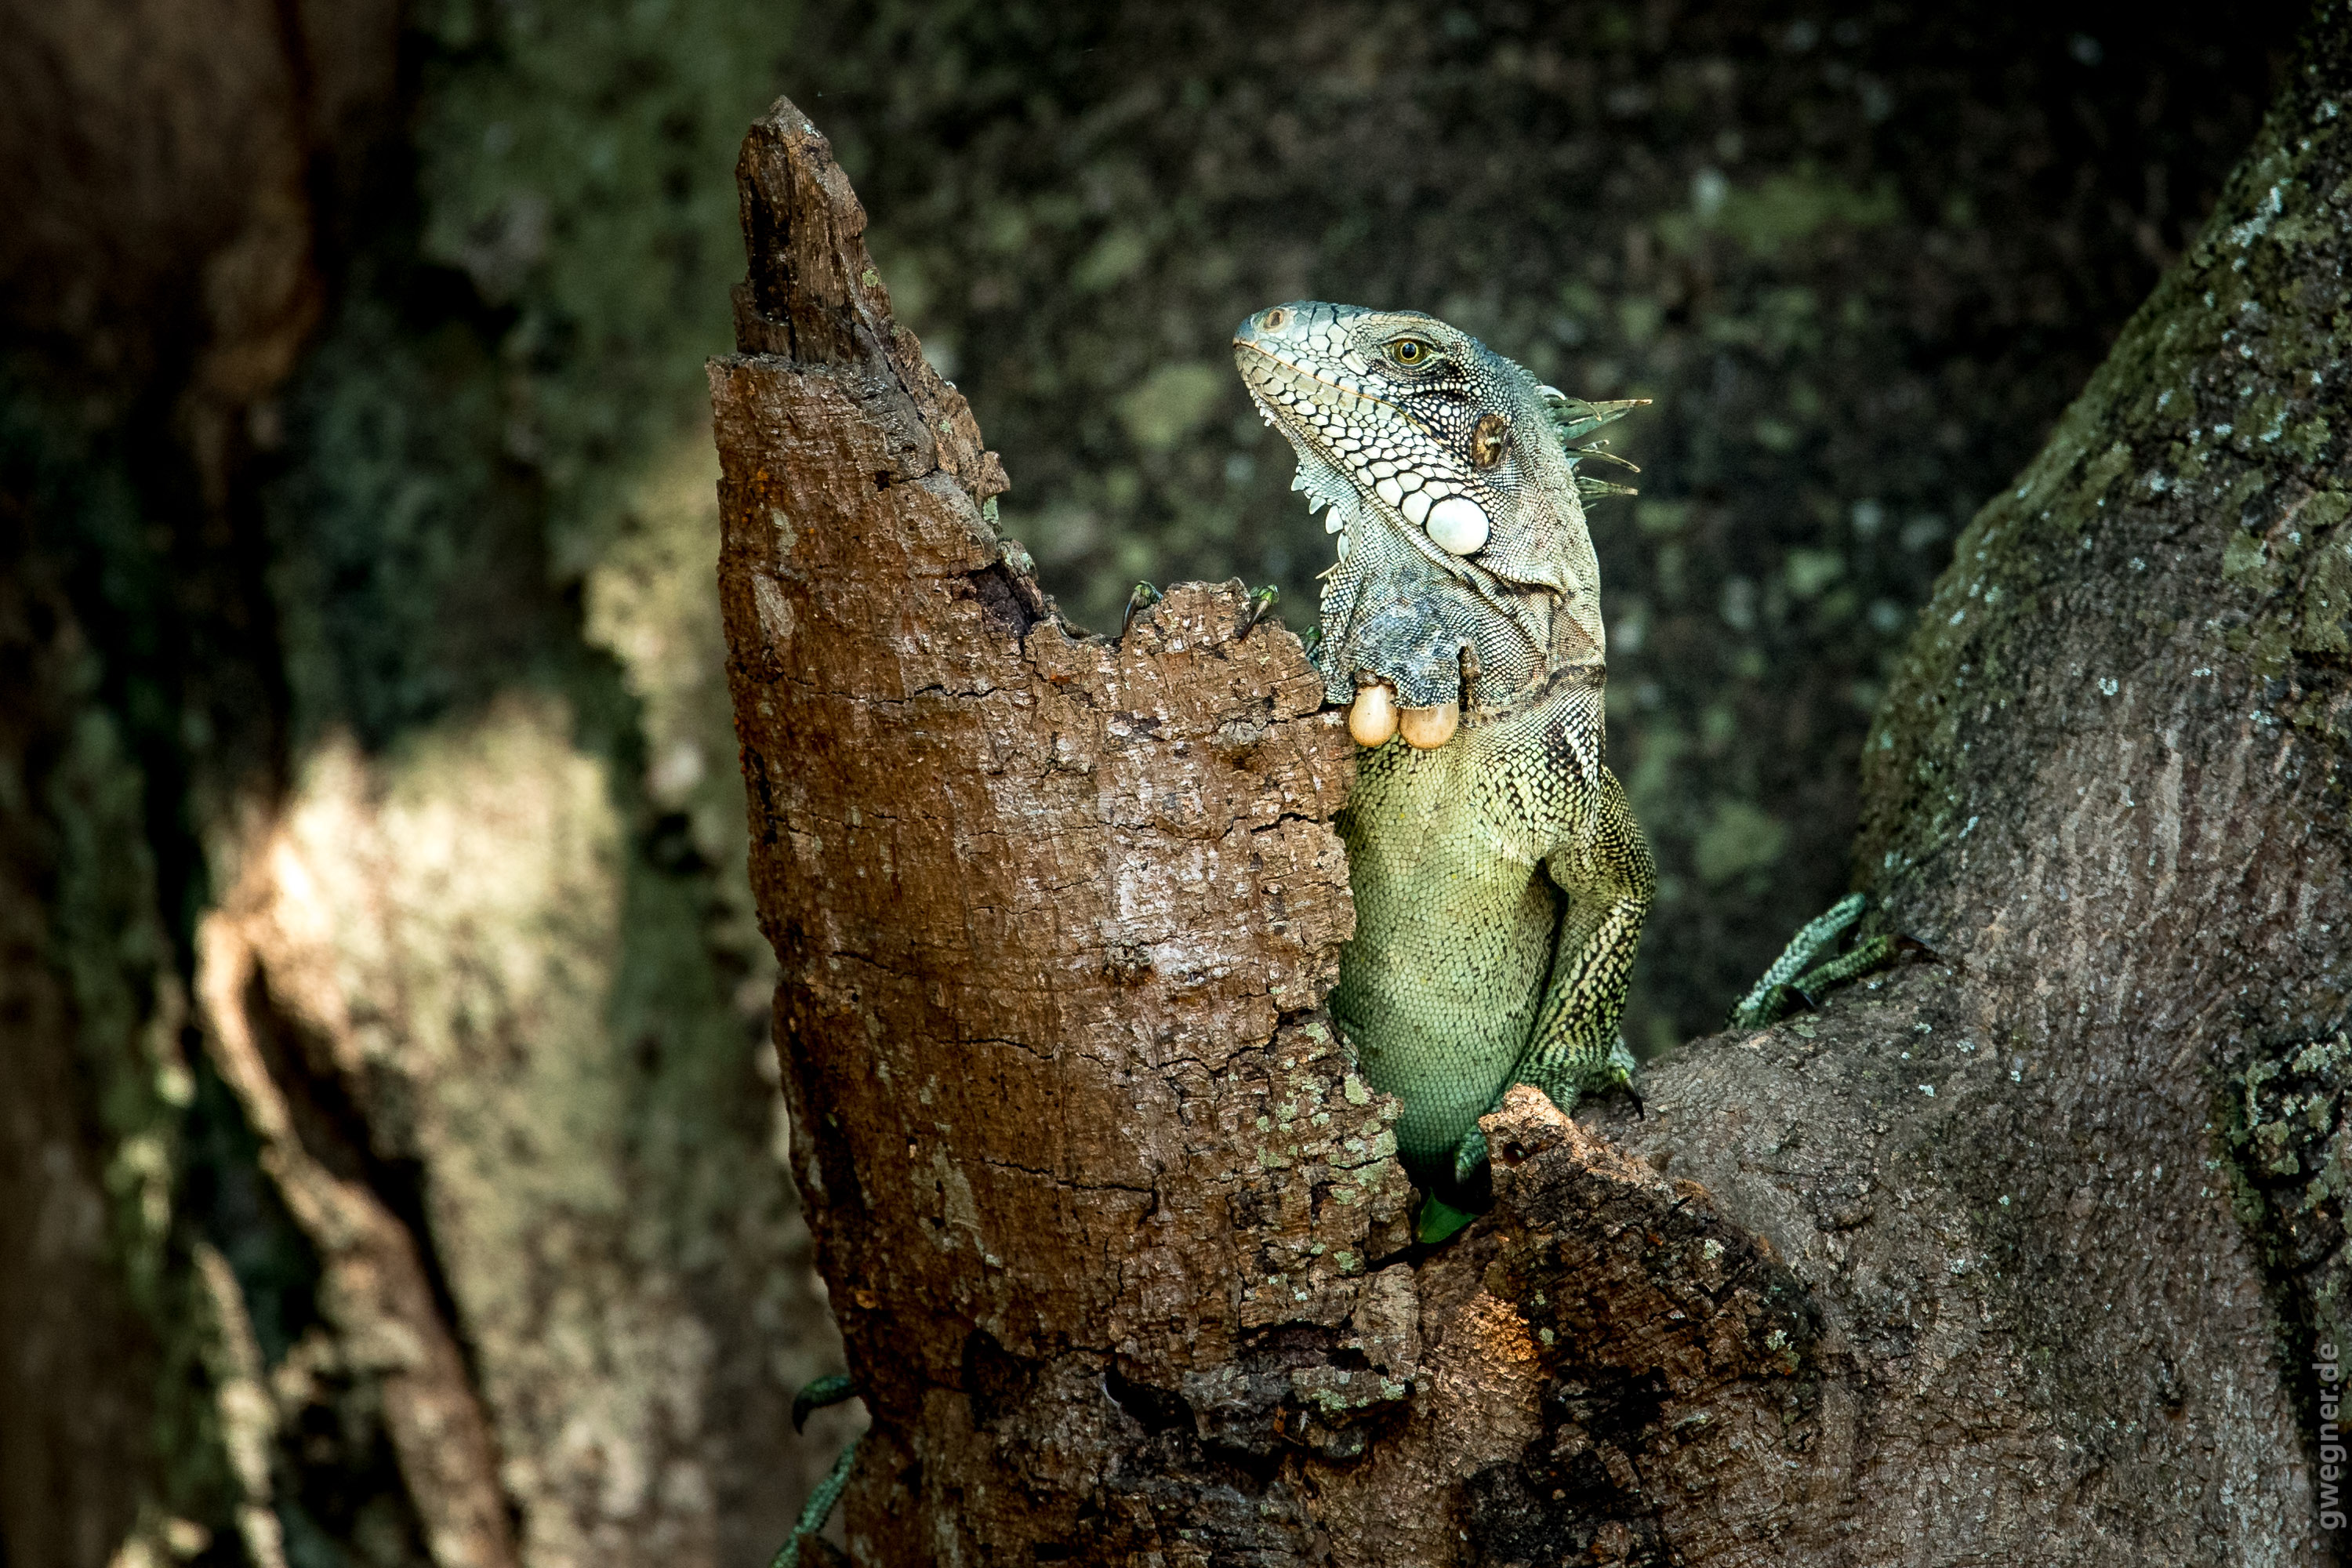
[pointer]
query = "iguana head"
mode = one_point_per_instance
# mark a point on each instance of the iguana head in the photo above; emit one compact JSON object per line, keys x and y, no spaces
{"x":1451,"y":482}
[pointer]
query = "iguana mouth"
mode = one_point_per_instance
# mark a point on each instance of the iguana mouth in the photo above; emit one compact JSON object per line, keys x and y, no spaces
{"x":1299,"y":370}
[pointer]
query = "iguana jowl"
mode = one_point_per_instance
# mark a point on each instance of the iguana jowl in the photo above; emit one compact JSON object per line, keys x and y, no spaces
{"x":1499,"y":879}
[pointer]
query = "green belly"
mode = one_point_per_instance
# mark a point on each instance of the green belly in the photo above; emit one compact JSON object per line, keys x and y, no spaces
{"x":1455,"y":925}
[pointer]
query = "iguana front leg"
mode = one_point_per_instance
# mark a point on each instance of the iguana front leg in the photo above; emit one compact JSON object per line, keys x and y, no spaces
{"x":1602,"y":866}
{"x":1576,"y":1049}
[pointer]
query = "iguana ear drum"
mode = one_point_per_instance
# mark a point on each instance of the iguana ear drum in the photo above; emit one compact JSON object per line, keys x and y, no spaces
{"x":1489,"y":441}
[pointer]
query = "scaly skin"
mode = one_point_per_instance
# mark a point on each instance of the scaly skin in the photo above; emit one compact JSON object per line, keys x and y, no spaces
{"x":1500,"y":881}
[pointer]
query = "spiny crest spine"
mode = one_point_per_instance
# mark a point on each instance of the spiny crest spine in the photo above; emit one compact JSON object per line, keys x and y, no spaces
{"x":1573,"y":419}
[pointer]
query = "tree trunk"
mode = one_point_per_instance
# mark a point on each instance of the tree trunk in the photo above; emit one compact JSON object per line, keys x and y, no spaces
{"x":2024,"y":1252}
{"x":387,"y":1173}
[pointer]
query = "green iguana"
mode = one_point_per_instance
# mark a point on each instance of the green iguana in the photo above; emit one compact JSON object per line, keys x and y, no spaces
{"x":1500,"y":881}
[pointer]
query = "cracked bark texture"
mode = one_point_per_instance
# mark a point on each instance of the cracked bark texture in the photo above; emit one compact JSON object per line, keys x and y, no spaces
{"x":2019,"y":1253}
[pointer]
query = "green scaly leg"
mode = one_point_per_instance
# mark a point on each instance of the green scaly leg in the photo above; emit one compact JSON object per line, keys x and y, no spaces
{"x":1800,"y":974}
{"x":1865,"y":957}
{"x":1575,"y":1049}
{"x":824,"y":1391}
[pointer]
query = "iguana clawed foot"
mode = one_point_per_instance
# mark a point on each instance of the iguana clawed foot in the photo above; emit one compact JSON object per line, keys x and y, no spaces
{"x":824,"y":1391}
{"x":1143,"y":597}
{"x":1800,"y":975}
{"x":1463,"y":1193}
{"x":1611,"y":1074}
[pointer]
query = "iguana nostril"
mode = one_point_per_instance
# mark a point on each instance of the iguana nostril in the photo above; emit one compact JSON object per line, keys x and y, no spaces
{"x":1373,"y":717}
{"x":1426,"y":728}
{"x":1275,"y":320}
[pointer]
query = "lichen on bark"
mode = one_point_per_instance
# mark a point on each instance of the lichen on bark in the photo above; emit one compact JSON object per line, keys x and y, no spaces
{"x":2160,"y":610}
{"x":372,"y":695}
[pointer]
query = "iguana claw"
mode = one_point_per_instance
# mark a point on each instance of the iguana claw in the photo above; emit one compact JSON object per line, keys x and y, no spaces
{"x":815,"y":1396}
{"x":1144,"y":596}
{"x":1261,"y":600}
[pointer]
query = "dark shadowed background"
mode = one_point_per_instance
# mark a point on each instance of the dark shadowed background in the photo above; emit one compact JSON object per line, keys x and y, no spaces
{"x":357,"y":517}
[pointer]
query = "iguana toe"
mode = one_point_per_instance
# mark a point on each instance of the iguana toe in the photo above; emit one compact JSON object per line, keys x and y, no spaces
{"x":1144,"y":596}
{"x":1815,"y":982}
{"x":1469,"y":1157}
{"x":816,"y":1396}
{"x":1640,"y":1109}
{"x":1615,"y":1076}
{"x":1426,"y":728}
{"x":1800,"y":977}
{"x":1261,"y":600}
{"x":815,"y":1513}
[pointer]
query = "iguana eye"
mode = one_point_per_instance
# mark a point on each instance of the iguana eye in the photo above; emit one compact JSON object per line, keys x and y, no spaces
{"x":1411,"y":352}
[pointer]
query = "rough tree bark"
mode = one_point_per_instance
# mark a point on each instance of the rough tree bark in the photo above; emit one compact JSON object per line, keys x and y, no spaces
{"x":386,"y":1174}
{"x":2018,"y":1254}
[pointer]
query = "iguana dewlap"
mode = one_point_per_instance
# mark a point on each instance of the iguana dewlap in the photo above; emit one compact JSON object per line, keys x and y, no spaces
{"x":1499,"y":879}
